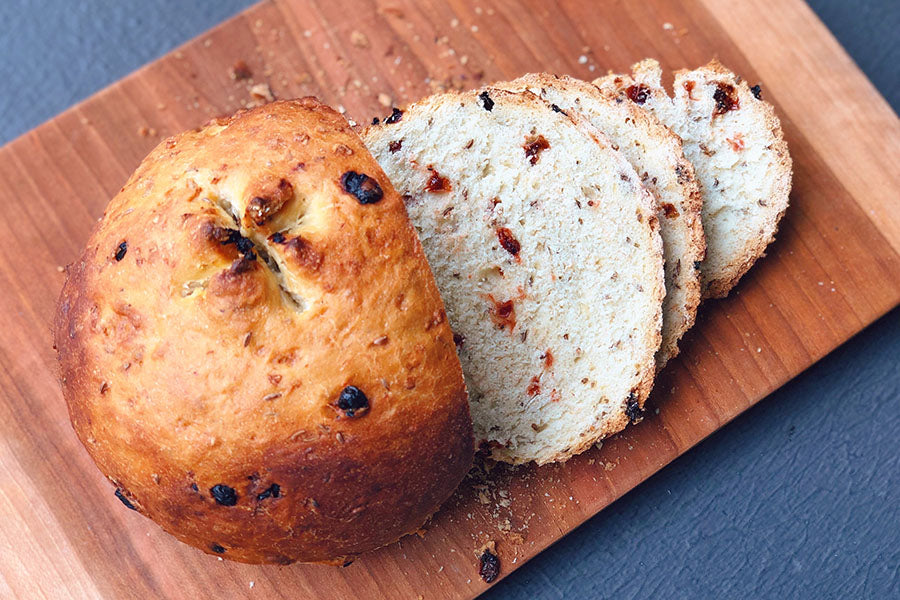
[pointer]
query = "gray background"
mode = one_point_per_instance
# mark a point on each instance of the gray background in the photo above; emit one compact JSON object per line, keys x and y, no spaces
{"x":799,"y":497}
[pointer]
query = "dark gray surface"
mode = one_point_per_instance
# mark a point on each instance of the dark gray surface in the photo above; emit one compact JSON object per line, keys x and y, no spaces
{"x":799,"y":497}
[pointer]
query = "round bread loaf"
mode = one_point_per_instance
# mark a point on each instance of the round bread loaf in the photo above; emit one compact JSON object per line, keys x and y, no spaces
{"x":253,"y":349}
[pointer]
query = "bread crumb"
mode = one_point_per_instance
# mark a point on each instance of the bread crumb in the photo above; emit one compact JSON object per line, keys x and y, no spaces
{"x":384,"y":100}
{"x":359,"y":39}
{"x":207,"y":42}
{"x":60,"y":268}
{"x":668,"y":26}
{"x":252,"y":584}
{"x":145,"y":131}
{"x":582,"y":59}
{"x":454,"y":23}
{"x":262,"y":93}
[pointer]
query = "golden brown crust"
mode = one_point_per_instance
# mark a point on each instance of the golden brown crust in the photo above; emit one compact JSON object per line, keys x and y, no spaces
{"x":197,"y":353}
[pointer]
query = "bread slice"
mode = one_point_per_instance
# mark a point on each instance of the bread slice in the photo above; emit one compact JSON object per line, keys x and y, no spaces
{"x":656,"y":154}
{"x":547,"y":253}
{"x":739,"y":154}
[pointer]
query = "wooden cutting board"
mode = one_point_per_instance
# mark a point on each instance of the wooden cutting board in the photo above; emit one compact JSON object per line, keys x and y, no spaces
{"x":834,"y":269}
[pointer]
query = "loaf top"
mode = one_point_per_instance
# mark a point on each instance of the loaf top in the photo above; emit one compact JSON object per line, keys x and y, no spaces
{"x":546,"y":249}
{"x":253,"y":349}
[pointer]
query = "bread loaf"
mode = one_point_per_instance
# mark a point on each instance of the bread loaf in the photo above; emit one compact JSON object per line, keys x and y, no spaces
{"x":253,"y":349}
{"x":735,"y":142}
{"x":546,"y":250}
{"x":656,"y":155}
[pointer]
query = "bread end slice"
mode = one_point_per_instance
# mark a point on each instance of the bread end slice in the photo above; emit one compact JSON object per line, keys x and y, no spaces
{"x":741,"y":159}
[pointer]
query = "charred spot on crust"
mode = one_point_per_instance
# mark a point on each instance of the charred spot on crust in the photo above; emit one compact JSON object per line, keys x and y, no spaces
{"x":217,"y":548}
{"x":394,"y":117}
{"x":124,"y":499}
{"x":121,"y":249}
{"x":273,"y":491}
{"x":352,"y":401}
{"x":633,"y":410}
{"x":486,"y":101}
{"x":555,"y":108}
{"x":226,"y":236}
{"x":681,"y":174}
{"x":638,"y":93}
{"x":395,"y":146}
{"x":303,"y":253}
{"x":436,"y":182}
{"x":726,"y":99}
{"x":263,"y":207}
{"x":757,"y":91}
{"x":697,"y":265}
{"x":364,"y":188}
{"x":490,"y":566}
{"x":533,"y":147}
{"x":375,"y":120}
{"x":277,"y":237}
{"x":508,"y":241}
{"x":347,"y":562}
{"x":224,"y":495}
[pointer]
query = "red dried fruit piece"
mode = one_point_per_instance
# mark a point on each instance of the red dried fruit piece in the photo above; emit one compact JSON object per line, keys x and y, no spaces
{"x":726,"y":99}
{"x":508,"y":241}
{"x":534,"y":145}
{"x":436,"y":182}
{"x":669,"y":210}
{"x":547,"y":357}
{"x":638,"y":93}
{"x":503,"y":314}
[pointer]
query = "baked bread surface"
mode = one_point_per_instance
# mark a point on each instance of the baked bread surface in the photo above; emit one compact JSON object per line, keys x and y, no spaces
{"x":253,"y":349}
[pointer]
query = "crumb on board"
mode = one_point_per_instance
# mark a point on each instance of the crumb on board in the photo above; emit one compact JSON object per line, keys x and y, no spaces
{"x":240,"y":71}
{"x":261,"y":93}
{"x":359,"y":39}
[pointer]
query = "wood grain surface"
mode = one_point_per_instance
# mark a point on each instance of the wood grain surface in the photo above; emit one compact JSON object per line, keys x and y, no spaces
{"x":834,"y":269}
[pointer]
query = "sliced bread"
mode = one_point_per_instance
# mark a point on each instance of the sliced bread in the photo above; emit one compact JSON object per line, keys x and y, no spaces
{"x":656,"y":155}
{"x":735,"y":142}
{"x":547,"y":253}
